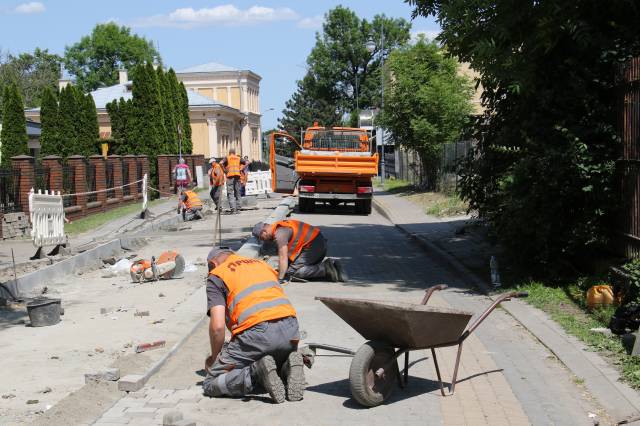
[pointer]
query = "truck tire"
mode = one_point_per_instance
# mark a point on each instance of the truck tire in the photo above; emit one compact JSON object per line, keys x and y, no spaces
{"x":366,"y":387}
{"x":306,"y":205}
{"x":363,"y":207}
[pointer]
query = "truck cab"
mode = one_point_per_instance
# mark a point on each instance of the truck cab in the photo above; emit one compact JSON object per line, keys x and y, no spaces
{"x":332,"y":166}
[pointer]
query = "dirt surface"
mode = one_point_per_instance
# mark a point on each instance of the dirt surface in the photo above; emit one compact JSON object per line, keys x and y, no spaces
{"x":99,"y":329}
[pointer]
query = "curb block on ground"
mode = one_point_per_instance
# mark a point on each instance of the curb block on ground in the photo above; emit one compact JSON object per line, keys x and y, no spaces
{"x":600,"y":379}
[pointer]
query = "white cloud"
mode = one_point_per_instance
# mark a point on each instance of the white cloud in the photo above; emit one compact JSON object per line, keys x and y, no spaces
{"x":313,"y":23}
{"x":428,"y":34}
{"x":228,"y":15}
{"x":29,"y":8}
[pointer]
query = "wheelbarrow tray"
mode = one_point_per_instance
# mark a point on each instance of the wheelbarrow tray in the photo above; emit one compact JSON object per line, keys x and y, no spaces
{"x":400,"y":324}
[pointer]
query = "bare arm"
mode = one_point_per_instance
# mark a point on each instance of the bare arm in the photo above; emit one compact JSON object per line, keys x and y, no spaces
{"x":283,"y":261}
{"x":216,"y":333}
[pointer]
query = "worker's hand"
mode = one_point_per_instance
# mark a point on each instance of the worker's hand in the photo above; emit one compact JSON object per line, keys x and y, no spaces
{"x":208,"y":363}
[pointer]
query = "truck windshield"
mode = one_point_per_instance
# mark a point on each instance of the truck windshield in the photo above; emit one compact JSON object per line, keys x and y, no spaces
{"x":337,"y":140}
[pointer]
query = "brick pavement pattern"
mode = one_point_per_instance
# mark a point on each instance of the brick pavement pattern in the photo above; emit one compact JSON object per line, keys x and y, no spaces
{"x":506,"y":376}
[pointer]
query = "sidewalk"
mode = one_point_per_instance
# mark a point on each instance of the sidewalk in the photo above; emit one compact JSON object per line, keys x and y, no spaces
{"x":24,"y":249}
{"x":468,"y":255}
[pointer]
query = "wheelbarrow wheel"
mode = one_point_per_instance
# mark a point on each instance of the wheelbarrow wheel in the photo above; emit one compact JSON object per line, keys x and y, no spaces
{"x":369,"y":386}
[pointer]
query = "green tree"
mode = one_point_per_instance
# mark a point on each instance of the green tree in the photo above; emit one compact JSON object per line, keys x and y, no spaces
{"x":427,"y":103}
{"x":50,"y":137}
{"x":96,"y":58}
{"x":306,"y":106}
{"x":89,"y":132}
{"x":14,"y":126}
{"x":175,"y":93}
{"x":187,"y":143}
{"x":120,"y":116}
{"x":341,"y":67}
{"x":32,"y":72}
{"x":68,"y":119}
{"x":543,"y":175}
{"x":168,"y":111}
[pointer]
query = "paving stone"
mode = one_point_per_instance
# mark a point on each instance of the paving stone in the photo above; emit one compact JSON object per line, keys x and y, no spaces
{"x":104,"y":421}
{"x":147,"y":412}
{"x":108,"y":375}
{"x":161,"y":403}
{"x":131,"y":383}
{"x":172,"y":417}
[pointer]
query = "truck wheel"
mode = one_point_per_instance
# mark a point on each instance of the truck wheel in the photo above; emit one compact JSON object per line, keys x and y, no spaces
{"x":368,"y":388}
{"x":363,"y":207}
{"x":306,"y":205}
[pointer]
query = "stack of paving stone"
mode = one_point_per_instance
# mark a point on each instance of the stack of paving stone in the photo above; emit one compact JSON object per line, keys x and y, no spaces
{"x":15,"y":225}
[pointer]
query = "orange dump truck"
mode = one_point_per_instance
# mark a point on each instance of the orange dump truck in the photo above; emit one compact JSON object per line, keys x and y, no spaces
{"x":333,"y":166}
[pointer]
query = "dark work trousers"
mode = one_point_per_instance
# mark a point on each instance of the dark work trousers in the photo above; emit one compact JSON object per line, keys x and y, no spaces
{"x":215,"y":193}
{"x":231,"y":373}
{"x":233,"y":192}
{"x":309,"y":263}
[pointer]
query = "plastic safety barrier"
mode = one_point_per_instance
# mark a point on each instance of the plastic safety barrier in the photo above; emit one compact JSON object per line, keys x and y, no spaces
{"x":47,"y":218}
{"x":258,"y":183}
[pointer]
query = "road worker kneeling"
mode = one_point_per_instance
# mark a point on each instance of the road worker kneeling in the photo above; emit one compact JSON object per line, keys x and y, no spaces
{"x":244,"y":295}
{"x":189,"y":205}
{"x":302,"y":250}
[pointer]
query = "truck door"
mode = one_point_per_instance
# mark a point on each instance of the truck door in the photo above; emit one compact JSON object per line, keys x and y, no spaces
{"x":282,"y":161}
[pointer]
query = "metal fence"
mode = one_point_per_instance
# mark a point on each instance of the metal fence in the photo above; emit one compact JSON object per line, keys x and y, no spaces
{"x":110,"y":178}
{"x":68,"y":185}
{"x":9,"y":190}
{"x":91,"y":182}
{"x":125,"y":178}
{"x":628,"y":79}
{"x":41,"y":177}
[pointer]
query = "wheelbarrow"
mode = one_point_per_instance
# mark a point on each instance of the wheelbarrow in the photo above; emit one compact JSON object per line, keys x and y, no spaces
{"x":394,"y":329}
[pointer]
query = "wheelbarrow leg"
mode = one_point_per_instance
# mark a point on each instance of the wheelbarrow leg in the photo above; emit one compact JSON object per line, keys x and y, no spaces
{"x":455,"y":370}
{"x":435,"y":363}
{"x":406,"y":368}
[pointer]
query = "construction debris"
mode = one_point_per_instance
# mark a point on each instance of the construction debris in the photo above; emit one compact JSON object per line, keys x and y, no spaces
{"x":169,"y":264}
{"x":45,"y":390}
{"x":8,"y":396}
{"x":150,"y":346}
{"x":32,"y":401}
{"x":108,"y":375}
{"x":141,"y":314}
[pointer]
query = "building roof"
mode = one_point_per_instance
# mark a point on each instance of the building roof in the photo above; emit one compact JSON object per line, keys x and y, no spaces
{"x":208,"y":67}
{"x":104,"y":95}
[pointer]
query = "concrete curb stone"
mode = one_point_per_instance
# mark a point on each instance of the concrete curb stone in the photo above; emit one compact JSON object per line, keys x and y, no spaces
{"x":599,"y":378}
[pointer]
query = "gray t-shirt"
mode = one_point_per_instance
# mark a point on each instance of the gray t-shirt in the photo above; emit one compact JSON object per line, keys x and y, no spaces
{"x":282,"y":236}
{"x":216,"y":293}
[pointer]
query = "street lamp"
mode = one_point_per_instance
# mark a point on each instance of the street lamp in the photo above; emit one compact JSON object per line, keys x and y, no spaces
{"x":371,"y":47}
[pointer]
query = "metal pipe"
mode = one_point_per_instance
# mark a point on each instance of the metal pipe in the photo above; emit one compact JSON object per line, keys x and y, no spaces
{"x":485,"y":314}
{"x":430,"y":291}
{"x":331,"y":348}
{"x":382,"y":165}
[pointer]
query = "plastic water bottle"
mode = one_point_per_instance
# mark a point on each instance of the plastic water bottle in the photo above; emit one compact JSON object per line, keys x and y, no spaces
{"x":495,"y":274}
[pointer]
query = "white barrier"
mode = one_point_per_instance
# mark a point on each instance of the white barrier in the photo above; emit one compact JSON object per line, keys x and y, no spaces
{"x":47,"y":218}
{"x":258,"y":183}
{"x":144,"y":193}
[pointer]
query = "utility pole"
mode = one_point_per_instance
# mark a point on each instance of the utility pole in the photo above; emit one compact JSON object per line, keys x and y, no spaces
{"x":382,"y":171}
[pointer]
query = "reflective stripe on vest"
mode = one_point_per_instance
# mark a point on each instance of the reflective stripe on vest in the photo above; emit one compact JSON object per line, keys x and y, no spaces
{"x":253,"y":293}
{"x":233,"y":165}
{"x":301,"y":237}
{"x":216,"y":179}
{"x":192,"y":200}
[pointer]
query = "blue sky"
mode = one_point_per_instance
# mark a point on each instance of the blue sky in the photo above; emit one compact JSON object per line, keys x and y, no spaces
{"x":271,"y":38}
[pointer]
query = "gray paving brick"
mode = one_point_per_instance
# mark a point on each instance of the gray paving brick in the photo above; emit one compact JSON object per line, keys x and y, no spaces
{"x":146,"y":412}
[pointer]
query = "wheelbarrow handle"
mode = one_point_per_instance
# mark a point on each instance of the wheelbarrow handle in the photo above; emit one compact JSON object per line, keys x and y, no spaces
{"x":502,"y":298}
{"x":430,"y":291}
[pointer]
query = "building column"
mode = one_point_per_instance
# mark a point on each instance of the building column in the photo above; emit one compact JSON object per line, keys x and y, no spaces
{"x":212,"y":127}
{"x":245,"y":139}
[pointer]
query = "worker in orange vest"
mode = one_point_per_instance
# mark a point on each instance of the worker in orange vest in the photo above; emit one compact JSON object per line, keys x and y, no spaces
{"x":189,"y":205}
{"x":216,"y":181}
{"x":244,"y":295}
{"x":301,"y":250}
{"x":232,"y":166}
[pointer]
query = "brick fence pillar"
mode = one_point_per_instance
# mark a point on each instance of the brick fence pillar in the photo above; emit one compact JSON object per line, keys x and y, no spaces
{"x":97,"y":161}
{"x":115,"y":161}
{"x":164,"y":173}
{"x":24,"y":163}
{"x":129,"y":162}
{"x":54,"y":164}
{"x":77,"y":162}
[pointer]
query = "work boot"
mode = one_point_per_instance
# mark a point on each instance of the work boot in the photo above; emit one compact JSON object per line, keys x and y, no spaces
{"x":293,"y":375}
{"x":331,"y":271}
{"x":267,"y":373}
{"x":342,"y":274}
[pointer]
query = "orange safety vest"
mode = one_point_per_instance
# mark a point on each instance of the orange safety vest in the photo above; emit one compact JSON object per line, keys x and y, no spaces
{"x":302,"y":236}
{"x":253,"y":293}
{"x":216,"y":179}
{"x":233,"y":165}
{"x":192,"y":201}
